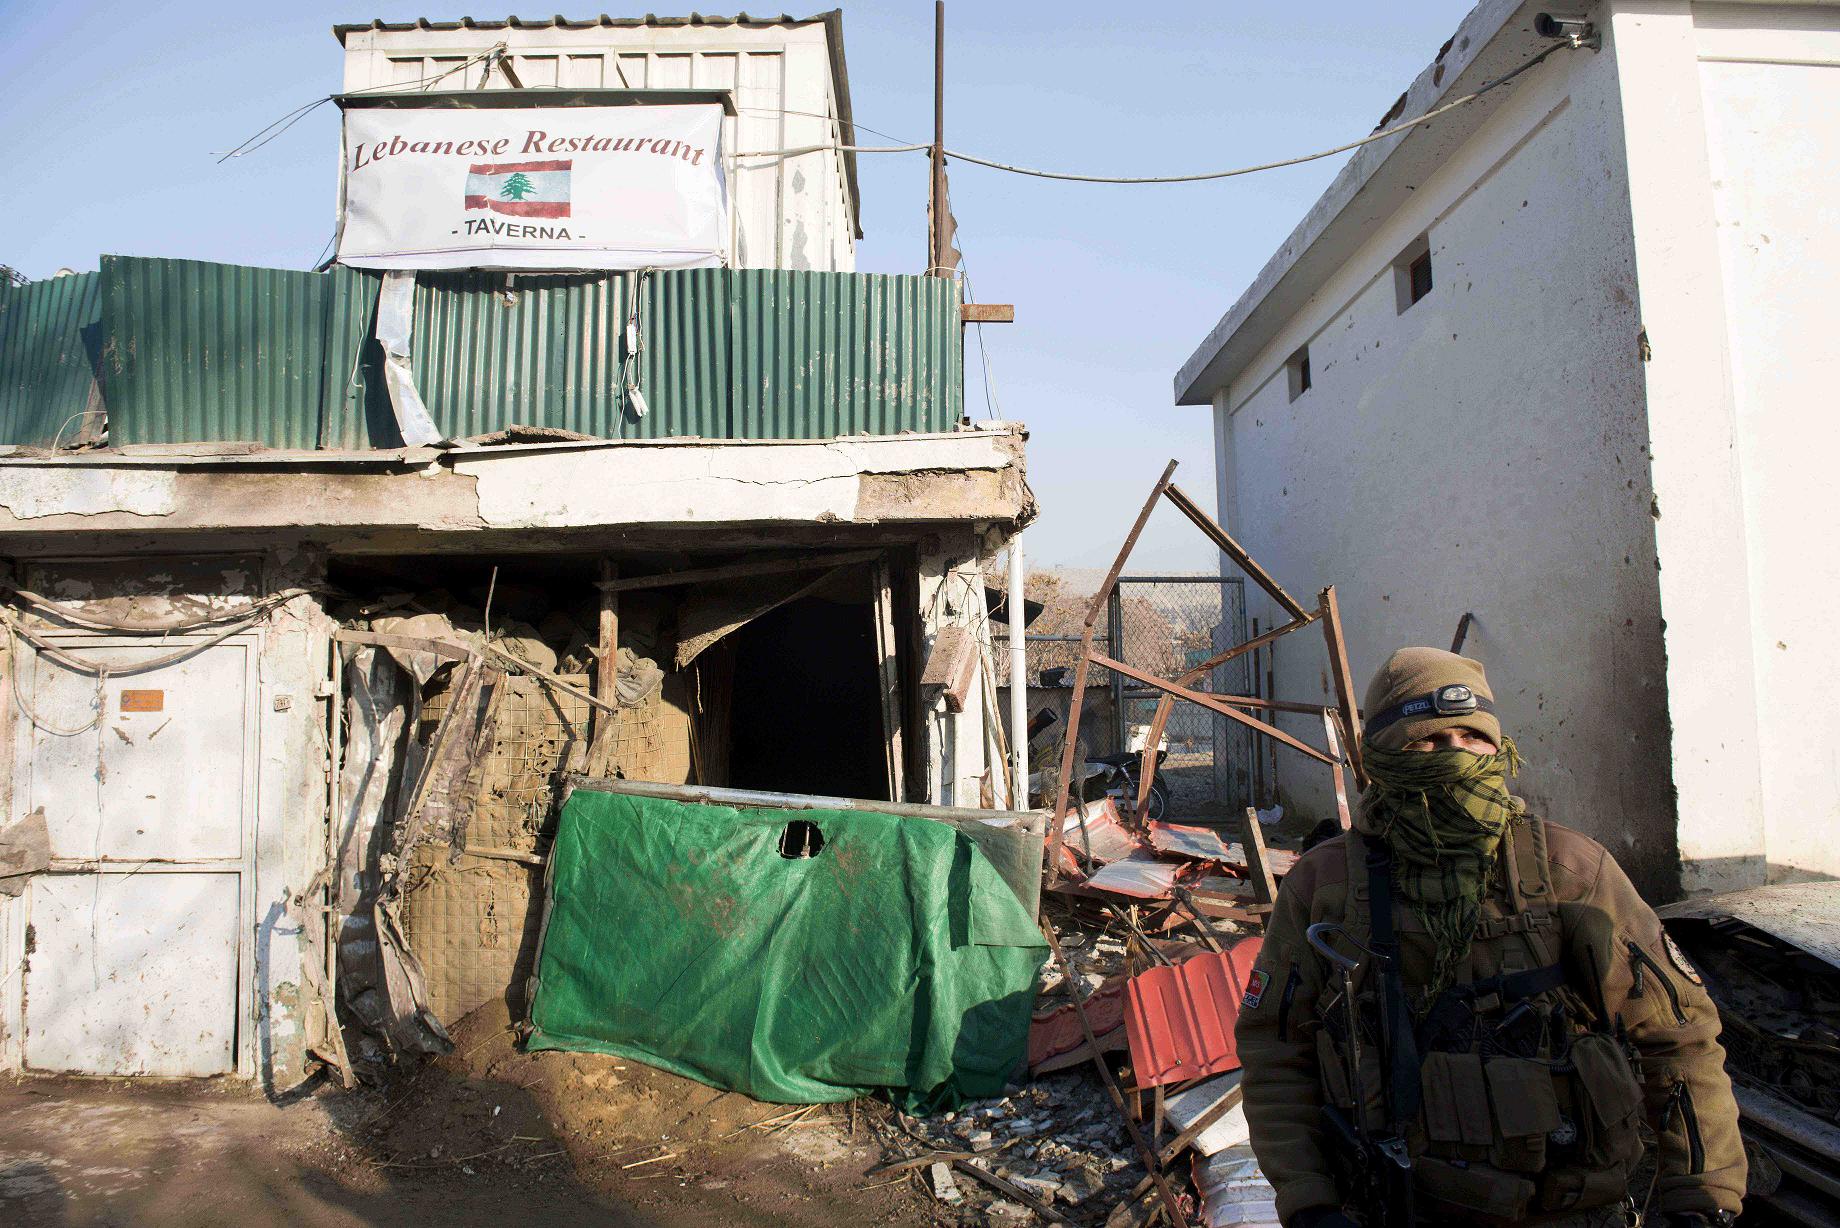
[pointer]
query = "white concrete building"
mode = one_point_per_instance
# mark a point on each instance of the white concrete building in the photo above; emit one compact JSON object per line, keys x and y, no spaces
{"x":1559,"y":359}
{"x":214,"y":767}
{"x":786,"y":75}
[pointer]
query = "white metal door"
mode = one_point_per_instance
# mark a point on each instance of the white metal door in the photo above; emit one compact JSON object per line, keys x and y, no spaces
{"x":139,"y":937}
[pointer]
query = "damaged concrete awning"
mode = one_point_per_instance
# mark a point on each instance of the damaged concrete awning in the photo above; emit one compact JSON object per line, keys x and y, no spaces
{"x":544,"y":496}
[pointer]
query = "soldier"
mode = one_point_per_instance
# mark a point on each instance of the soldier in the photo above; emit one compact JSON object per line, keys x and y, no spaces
{"x":1534,"y":1013}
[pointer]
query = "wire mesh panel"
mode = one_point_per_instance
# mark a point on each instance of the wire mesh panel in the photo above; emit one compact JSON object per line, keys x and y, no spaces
{"x":1167,"y":625}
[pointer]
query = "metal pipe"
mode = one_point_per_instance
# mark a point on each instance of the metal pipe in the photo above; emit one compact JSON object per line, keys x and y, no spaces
{"x":1028,"y":820}
{"x":1018,"y":680}
{"x":935,"y":246}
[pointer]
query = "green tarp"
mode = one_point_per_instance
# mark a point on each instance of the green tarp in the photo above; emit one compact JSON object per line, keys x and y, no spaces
{"x":677,"y":934}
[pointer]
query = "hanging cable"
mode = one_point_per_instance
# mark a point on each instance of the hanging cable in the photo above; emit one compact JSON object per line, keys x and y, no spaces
{"x":1200,"y":176}
{"x":275,"y":129}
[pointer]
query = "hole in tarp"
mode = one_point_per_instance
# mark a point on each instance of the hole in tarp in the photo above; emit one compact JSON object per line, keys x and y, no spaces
{"x":800,"y":839}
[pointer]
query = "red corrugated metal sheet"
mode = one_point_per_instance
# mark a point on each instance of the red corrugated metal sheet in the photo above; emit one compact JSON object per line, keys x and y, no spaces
{"x":1056,"y":1039}
{"x":1180,"y":1020}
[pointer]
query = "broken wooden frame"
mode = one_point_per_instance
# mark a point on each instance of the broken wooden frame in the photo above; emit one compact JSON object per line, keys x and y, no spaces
{"x":1341,"y":723}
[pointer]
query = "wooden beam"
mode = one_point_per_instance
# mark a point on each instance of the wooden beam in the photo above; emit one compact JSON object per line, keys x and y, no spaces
{"x":736,"y":571}
{"x":987,"y":313}
{"x":409,"y":643}
{"x":1233,"y":550}
{"x":1258,"y":865}
{"x":606,"y":673}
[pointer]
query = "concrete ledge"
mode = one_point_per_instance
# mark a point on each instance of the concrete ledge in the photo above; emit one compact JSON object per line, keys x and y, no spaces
{"x":559,"y":490}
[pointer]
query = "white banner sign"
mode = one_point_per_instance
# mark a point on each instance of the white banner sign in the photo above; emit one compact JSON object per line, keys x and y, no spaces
{"x":624,"y":187}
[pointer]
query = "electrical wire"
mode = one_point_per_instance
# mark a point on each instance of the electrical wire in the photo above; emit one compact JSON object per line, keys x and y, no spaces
{"x":1198,"y":177}
{"x":264,"y":136}
{"x":93,"y":622}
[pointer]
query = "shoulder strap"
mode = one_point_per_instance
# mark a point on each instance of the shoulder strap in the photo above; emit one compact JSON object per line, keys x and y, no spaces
{"x":1402,"y":1085}
{"x":1528,"y":871}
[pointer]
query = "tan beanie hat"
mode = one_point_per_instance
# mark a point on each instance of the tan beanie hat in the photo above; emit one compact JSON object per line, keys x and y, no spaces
{"x":1422,"y":690}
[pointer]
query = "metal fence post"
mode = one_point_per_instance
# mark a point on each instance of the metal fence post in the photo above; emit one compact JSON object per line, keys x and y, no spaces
{"x":1114,"y":632}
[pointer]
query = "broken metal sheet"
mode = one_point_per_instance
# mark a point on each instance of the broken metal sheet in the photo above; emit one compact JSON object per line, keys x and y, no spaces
{"x":1142,"y":875}
{"x":1094,"y":832}
{"x":25,"y":850}
{"x":1206,"y":844}
{"x":1804,"y":915}
{"x":1184,"y":1109}
{"x":395,"y":323}
{"x":1234,"y":1191}
{"x":1180,"y":1019}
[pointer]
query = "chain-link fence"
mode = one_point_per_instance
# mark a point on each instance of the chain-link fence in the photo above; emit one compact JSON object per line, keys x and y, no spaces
{"x":1164,"y":625}
{"x":1168,"y":625}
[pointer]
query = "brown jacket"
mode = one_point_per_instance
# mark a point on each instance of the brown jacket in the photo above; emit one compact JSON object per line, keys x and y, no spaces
{"x":1607,"y":934}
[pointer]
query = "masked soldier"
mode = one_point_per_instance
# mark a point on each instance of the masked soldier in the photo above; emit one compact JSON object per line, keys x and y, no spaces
{"x":1517,"y":1011}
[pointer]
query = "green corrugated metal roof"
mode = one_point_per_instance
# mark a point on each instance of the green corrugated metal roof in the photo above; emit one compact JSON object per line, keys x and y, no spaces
{"x":50,"y":335}
{"x":200,"y":352}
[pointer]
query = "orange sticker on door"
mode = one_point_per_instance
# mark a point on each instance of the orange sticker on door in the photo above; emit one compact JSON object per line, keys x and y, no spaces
{"x":143,"y":701}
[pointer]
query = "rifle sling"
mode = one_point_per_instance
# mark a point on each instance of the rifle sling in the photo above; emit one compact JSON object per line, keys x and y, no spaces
{"x":1403,"y":1091}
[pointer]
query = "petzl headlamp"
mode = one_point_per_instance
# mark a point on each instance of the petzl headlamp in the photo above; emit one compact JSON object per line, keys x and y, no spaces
{"x":1455,"y":699}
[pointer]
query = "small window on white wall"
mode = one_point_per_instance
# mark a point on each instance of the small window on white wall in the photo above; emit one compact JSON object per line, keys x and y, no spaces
{"x":1297,"y":371}
{"x":1412,"y":273}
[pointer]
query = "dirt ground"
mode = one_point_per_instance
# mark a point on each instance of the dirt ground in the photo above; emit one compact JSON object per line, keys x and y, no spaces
{"x":486,"y":1135}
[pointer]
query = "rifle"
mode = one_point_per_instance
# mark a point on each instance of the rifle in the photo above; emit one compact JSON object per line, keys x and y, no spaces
{"x":1379,"y":1163}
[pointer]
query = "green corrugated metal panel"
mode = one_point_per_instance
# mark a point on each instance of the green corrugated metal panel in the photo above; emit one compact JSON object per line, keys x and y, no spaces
{"x":824,"y":354}
{"x":490,"y":351}
{"x":213,"y":352}
{"x":49,"y":337}
{"x":200,"y":352}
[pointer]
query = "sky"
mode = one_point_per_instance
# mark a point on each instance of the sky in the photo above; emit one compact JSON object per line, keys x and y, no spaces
{"x":114,"y":148}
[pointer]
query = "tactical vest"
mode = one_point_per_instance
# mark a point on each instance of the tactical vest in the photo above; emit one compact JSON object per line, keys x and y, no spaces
{"x":1526,"y":1103}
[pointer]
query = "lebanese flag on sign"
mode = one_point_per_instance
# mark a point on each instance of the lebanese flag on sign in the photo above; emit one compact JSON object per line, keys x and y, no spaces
{"x":522,"y":189}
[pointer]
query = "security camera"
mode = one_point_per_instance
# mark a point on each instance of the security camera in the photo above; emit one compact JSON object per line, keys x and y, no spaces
{"x":1573,"y":29}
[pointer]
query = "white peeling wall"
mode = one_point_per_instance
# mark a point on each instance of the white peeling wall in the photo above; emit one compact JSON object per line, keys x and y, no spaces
{"x":1770,"y":89}
{"x":1485,"y":450}
{"x":960,"y":745}
{"x":280,"y":985}
{"x":787,"y":213}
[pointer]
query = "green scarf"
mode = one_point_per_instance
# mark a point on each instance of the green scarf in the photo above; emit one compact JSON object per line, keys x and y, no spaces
{"x":1442,"y":813}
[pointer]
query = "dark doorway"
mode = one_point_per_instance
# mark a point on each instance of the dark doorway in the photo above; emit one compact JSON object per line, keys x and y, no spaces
{"x":807,"y":715}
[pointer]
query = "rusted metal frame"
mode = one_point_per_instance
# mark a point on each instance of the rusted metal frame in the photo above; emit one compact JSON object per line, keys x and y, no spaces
{"x":737,"y":571}
{"x":1334,"y":742}
{"x":1166,"y":705}
{"x":1152,"y":1165}
{"x":1233,"y":550}
{"x":1344,"y":684}
{"x":1072,"y":737}
{"x":1213,"y":703}
{"x":1258,"y":867}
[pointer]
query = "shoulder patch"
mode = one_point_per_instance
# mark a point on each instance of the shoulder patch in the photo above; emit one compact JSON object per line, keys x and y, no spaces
{"x":1255,"y":989}
{"x":1679,"y":959}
